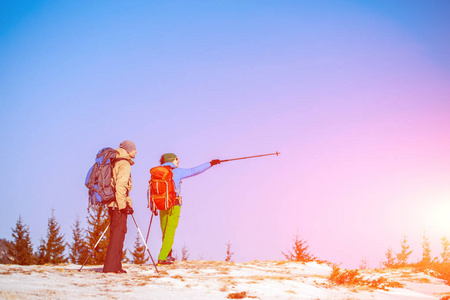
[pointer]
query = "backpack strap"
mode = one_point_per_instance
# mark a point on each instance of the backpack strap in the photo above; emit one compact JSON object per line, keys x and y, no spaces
{"x":119,"y":159}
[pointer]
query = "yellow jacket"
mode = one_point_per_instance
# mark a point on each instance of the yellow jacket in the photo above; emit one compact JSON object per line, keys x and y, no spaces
{"x":121,"y":179}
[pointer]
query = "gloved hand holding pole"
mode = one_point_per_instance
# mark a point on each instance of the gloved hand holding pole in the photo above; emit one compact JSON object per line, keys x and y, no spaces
{"x":215,"y":162}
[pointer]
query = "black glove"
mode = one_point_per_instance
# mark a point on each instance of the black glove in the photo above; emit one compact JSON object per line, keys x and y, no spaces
{"x":127,"y":210}
{"x":215,"y":162}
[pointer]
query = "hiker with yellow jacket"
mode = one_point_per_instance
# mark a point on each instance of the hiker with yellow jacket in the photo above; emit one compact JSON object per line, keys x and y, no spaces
{"x":121,"y":207}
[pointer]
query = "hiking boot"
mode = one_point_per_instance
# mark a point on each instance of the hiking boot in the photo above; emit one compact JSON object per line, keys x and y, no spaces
{"x":165,"y":262}
{"x":116,"y":272}
{"x":170,"y":258}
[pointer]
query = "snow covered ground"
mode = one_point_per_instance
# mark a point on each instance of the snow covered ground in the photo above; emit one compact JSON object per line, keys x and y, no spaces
{"x":208,"y":280}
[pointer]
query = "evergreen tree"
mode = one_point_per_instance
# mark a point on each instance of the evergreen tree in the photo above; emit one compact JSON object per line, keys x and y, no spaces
{"x":403,"y":256}
{"x":4,"y":257}
{"x":125,"y":258}
{"x":78,"y":248}
{"x":138,"y":255}
{"x":299,"y":251}
{"x":390,"y":259}
{"x":426,"y":256}
{"x":55,"y":246}
{"x":98,"y":221}
{"x":446,"y":250}
{"x":40,"y":253}
{"x":20,"y":250}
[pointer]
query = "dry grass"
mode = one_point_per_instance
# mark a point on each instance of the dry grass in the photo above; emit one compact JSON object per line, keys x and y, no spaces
{"x":44,"y":294}
{"x":240,"y":295}
{"x":178,"y":277}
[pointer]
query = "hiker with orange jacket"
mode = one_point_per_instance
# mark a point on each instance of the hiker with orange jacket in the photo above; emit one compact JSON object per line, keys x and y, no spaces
{"x":169,"y":218}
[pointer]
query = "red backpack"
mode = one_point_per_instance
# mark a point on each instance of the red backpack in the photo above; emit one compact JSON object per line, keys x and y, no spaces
{"x":161,"y":188}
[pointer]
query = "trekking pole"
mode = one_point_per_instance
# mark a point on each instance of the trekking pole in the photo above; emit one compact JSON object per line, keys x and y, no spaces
{"x":142,"y":237}
{"x":93,"y":249}
{"x":247,"y":157}
{"x":149,"y":226}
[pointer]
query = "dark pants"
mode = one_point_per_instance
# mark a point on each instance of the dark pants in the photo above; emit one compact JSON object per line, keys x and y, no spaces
{"x":118,"y":229}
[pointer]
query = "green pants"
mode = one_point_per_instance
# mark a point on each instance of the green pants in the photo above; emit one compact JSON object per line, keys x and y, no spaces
{"x":169,"y":222}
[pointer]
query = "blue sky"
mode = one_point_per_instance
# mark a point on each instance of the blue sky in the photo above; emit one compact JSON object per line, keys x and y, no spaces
{"x":354,"y":94}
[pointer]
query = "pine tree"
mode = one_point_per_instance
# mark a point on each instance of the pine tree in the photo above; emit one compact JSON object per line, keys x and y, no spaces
{"x":4,"y":257}
{"x":55,"y":246}
{"x":390,"y":259}
{"x":138,"y":255}
{"x":40,"y":253}
{"x":426,"y":256}
{"x":125,"y":258}
{"x":446,"y":250}
{"x":98,"y":221}
{"x":78,"y":248}
{"x":20,"y":250}
{"x":299,"y":251}
{"x":403,"y":256}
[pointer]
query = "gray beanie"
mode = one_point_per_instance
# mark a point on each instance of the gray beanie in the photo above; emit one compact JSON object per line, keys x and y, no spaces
{"x":128,"y":145}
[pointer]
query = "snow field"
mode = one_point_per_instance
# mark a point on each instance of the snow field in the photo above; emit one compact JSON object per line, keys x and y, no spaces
{"x":207,"y":280}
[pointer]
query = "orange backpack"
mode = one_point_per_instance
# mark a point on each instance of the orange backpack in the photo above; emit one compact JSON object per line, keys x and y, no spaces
{"x":161,"y":188}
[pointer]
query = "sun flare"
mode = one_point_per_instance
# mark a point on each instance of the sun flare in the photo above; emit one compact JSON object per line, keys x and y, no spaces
{"x":438,"y":219}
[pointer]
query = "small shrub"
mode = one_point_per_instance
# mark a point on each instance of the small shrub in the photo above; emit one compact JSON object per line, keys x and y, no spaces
{"x":229,"y":253}
{"x":353,"y":278}
{"x":184,"y":253}
{"x":439,"y":270}
{"x":346,"y":277}
{"x":442,"y":271}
